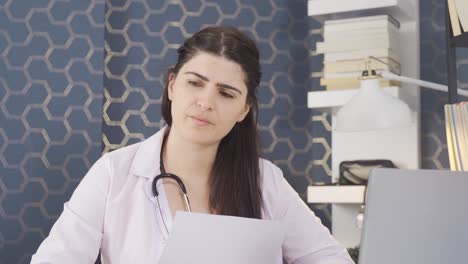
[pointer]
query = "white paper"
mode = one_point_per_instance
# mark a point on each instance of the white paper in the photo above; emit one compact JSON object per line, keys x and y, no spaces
{"x":210,"y":239}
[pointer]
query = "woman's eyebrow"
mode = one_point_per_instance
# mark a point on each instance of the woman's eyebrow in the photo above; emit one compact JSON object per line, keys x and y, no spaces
{"x":222,"y":85}
{"x":198,"y":75}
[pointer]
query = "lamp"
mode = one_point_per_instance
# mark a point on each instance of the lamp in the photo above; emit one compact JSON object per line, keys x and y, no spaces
{"x":374,"y":109}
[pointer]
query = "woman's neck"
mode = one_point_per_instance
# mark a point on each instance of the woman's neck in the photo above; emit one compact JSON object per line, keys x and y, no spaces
{"x":191,"y":162}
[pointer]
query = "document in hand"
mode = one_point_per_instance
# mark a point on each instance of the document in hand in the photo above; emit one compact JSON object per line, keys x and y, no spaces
{"x":214,"y":239}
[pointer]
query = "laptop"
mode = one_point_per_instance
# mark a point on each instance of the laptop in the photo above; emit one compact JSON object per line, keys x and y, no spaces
{"x":415,"y":217}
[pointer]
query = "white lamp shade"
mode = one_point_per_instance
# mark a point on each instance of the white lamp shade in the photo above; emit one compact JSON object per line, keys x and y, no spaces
{"x":372,"y":109}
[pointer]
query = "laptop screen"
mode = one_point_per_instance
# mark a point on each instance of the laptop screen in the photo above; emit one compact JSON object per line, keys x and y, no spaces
{"x":415,"y":217}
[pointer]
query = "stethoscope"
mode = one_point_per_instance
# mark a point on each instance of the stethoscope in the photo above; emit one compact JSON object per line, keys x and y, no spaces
{"x":164,"y":174}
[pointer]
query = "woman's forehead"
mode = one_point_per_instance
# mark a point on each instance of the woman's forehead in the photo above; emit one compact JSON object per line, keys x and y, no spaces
{"x":215,"y":68}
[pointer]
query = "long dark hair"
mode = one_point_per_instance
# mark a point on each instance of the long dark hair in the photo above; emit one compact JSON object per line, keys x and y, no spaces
{"x":235,"y":180}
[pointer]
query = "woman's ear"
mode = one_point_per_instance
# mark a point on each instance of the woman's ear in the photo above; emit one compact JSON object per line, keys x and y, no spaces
{"x":170,"y":85}
{"x":244,"y":113}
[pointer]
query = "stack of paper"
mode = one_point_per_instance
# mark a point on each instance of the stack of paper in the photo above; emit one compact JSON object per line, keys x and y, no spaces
{"x":349,"y":42}
{"x":214,"y":239}
{"x":456,"y":124}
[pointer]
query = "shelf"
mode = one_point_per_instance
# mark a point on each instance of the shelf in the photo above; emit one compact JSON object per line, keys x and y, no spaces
{"x":326,"y":100}
{"x":335,"y":194}
{"x":402,"y":10}
{"x":460,"y":40}
{"x":403,"y":148}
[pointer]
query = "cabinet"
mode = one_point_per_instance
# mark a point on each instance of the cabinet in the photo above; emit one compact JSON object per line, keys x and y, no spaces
{"x":399,"y":145}
{"x":452,"y":44}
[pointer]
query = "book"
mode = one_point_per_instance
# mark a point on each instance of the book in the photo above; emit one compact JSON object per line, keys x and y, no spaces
{"x":367,"y":19}
{"x":330,"y":36}
{"x":356,"y":35}
{"x":348,"y":24}
{"x":338,"y":75}
{"x":460,"y":139}
{"x":461,"y":123}
{"x":452,"y":8}
{"x":350,"y":83}
{"x":464,"y":110}
{"x":335,"y":194}
{"x":448,"y":132}
{"x":456,"y":127}
{"x":462,"y":12}
{"x":358,"y":65}
{"x":351,"y":44}
{"x":456,"y":144}
{"x":360,"y":54}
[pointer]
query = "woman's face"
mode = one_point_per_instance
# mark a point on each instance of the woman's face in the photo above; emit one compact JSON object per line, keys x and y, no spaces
{"x":208,"y":97}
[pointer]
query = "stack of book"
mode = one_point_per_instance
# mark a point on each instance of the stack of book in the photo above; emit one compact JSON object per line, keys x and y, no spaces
{"x":349,"y":42}
{"x":458,"y":13}
{"x":456,"y":125}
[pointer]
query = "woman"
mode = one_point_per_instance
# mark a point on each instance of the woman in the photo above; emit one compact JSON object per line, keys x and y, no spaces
{"x":210,"y":142}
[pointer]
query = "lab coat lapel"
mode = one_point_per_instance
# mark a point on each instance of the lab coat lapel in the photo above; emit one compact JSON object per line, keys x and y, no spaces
{"x":146,"y":161}
{"x":146,"y":164}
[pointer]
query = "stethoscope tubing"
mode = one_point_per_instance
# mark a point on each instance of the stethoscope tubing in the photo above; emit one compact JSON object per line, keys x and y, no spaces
{"x":179,"y":181}
{"x":156,"y":192}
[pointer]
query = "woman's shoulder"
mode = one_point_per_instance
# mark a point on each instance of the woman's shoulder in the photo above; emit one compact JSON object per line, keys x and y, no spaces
{"x":123,"y":156}
{"x":138,"y":157}
{"x":269,"y":172}
{"x":112,"y":166}
{"x":276,"y":191}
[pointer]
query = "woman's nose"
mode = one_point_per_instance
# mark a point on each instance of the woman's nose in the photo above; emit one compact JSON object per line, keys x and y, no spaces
{"x":204,"y":105}
{"x":206,"y":100}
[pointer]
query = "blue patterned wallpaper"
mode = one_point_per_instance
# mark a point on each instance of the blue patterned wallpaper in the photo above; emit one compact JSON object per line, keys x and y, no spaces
{"x":51,"y":95}
{"x":78,"y":78}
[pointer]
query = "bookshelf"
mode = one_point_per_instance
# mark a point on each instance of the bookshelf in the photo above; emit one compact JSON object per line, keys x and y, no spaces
{"x":401,"y":145}
{"x":336,"y":194}
{"x":460,"y":41}
{"x":401,"y":10}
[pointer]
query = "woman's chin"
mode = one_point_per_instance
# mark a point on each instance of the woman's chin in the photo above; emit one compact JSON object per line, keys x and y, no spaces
{"x":200,"y":136}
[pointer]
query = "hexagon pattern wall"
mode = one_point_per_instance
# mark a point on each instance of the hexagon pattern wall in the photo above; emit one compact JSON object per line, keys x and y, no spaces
{"x":434,"y":68}
{"x":59,"y":78}
{"x":51,"y":93}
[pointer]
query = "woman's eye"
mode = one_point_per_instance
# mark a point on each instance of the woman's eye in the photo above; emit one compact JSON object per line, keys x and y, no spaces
{"x":227,"y":95}
{"x":194,"y":83}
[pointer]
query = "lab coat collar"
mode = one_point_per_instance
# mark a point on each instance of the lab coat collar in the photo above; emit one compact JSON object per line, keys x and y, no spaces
{"x":147,"y":158}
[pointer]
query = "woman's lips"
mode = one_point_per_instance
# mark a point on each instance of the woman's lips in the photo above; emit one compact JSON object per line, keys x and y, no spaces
{"x":200,"y":121}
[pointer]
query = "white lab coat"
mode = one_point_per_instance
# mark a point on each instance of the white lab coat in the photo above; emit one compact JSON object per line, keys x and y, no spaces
{"x":113,"y":210}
